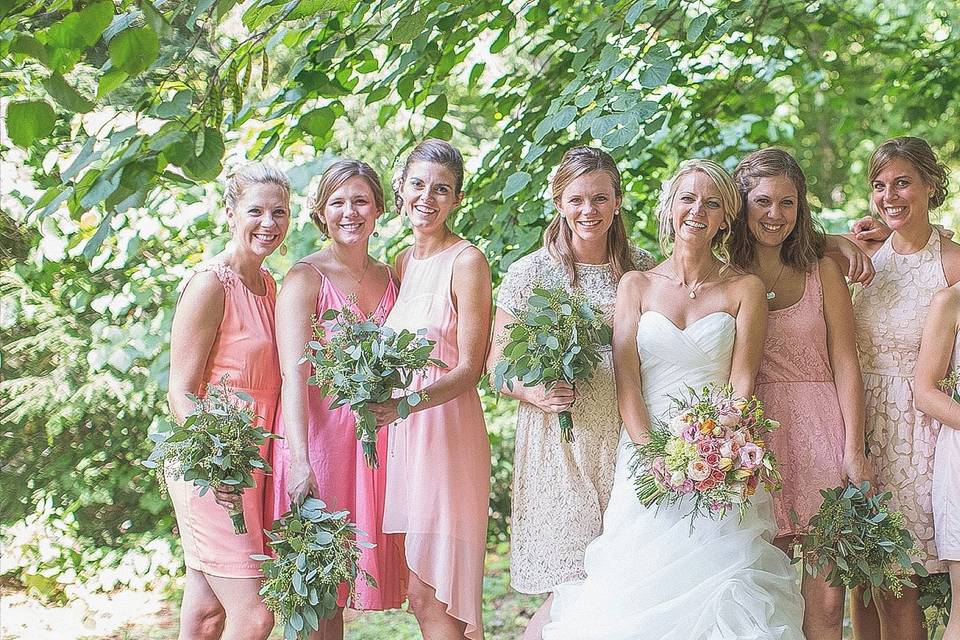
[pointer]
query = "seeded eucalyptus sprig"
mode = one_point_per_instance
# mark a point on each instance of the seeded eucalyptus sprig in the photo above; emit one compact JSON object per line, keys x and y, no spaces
{"x":556,"y":338}
{"x":217,"y":445}
{"x":315,"y":552}
{"x":858,"y":542}
{"x":357,"y":362}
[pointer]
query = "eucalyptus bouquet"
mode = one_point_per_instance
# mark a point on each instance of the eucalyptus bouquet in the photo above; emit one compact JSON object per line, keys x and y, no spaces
{"x":711,"y":448}
{"x":858,"y":542}
{"x":357,"y":362}
{"x":949,"y":385}
{"x":315,"y":552}
{"x":935,"y":598}
{"x":558,"y":338}
{"x":217,"y":445}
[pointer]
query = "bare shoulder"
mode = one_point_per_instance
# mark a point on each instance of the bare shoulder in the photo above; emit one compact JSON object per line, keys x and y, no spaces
{"x":202,"y":289}
{"x":746,"y":284}
{"x":946,"y":300}
{"x":830,"y":274}
{"x":950,"y":256}
{"x":471,"y":258}
{"x":302,"y":281}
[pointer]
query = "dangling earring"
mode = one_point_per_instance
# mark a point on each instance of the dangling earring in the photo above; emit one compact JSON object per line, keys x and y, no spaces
{"x":616,"y":212}
{"x":283,"y":249}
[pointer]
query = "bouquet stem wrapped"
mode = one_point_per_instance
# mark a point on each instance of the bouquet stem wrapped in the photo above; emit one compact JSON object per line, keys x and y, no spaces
{"x":358,"y":362}
{"x":711,"y":449}
{"x":559,"y":339}
{"x":217,"y":445}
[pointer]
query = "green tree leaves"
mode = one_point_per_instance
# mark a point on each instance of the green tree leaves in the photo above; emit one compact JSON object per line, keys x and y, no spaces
{"x":28,"y":121}
{"x":134,"y":50}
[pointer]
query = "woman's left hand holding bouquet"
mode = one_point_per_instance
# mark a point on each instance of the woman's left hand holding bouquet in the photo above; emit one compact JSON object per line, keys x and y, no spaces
{"x":385,"y":412}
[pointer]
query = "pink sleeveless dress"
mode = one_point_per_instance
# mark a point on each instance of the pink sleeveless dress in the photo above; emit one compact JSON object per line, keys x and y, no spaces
{"x":438,"y":465}
{"x":345,"y":480}
{"x":901,"y":441}
{"x":795,"y":384}
{"x":245,"y":350}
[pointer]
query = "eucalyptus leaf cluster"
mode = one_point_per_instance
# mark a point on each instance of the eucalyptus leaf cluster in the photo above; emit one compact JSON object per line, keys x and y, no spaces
{"x":935,"y":598}
{"x":217,"y":445}
{"x":858,"y":542}
{"x":558,"y":337}
{"x":315,"y":551}
{"x":357,"y":362}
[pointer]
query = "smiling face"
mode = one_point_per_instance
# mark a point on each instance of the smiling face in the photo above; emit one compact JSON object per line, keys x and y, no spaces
{"x":900,"y":195}
{"x":350,"y":213}
{"x":697,"y":211}
{"x":588,"y":204}
{"x":772,"y":210}
{"x":429,"y":195}
{"x":260,"y":218}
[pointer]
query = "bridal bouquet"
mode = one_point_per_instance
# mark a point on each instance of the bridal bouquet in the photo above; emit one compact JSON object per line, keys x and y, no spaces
{"x":217,"y":445}
{"x":711,"y":449}
{"x":858,"y":542}
{"x":558,"y":339}
{"x":951,"y":384}
{"x":315,"y":552}
{"x":358,"y":362}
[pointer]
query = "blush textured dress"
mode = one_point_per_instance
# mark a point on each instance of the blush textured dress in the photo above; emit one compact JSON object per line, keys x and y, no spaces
{"x":438,"y":461}
{"x":901,"y":441}
{"x":796,"y":387}
{"x":245,"y":350}
{"x":560,"y":489}
{"x":344,"y":479}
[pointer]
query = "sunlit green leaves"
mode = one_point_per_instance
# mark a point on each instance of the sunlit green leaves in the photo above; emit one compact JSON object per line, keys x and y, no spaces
{"x":29,"y":120}
{"x":67,"y":96}
{"x":515,"y":183}
{"x":134,"y":50}
{"x":318,"y":122}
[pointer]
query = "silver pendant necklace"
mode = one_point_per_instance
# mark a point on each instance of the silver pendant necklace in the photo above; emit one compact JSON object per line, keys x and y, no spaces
{"x":691,"y":288}
{"x":771,"y":294}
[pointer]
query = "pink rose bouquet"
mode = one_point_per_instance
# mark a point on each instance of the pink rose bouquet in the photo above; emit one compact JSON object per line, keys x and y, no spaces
{"x":710,"y":450}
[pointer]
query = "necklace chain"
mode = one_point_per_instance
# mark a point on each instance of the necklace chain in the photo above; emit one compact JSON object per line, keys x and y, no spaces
{"x":771,"y":294}
{"x":691,"y":288}
{"x":362,"y":273}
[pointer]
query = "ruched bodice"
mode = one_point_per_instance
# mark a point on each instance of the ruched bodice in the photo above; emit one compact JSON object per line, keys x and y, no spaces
{"x":649,"y":575}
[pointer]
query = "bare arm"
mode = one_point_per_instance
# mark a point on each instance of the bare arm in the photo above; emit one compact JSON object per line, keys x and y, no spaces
{"x":852,"y":255}
{"x":936,"y":348}
{"x":296,"y":303}
{"x":626,"y":360}
{"x":842,"y":350}
{"x":557,"y":399}
{"x":195,"y":323}
{"x":751,"y":329}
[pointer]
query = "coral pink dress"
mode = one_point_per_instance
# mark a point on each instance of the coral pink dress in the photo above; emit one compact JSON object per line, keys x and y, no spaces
{"x":438,"y":464}
{"x":795,"y":384}
{"x":345,"y":480}
{"x":245,"y":350}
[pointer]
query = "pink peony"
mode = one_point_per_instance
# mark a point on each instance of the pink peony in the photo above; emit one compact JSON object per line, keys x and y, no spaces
{"x":687,"y":486}
{"x":729,"y":417}
{"x":750,"y":456}
{"x":698,"y":470}
{"x":726,"y":449}
{"x":689,"y":433}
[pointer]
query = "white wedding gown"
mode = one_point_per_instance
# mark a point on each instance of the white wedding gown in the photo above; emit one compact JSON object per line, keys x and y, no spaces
{"x":648,"y":576}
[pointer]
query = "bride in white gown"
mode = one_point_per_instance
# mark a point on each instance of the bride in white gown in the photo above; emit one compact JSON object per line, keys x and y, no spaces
{"x":689,"y":321}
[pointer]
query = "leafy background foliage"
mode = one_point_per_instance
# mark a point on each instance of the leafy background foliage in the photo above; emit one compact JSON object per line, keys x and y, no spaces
{"x":120,"y":117}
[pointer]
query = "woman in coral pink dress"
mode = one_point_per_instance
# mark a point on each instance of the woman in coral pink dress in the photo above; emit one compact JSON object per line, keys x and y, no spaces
{"x":809,"y":377}
{"x":438,"y":462}
{"x":320,"y":453}
{"x":224,"y":326}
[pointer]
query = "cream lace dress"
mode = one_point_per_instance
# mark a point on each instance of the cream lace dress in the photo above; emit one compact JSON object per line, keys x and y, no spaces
{"x":901,"y":441}
{"x":560,"y":490}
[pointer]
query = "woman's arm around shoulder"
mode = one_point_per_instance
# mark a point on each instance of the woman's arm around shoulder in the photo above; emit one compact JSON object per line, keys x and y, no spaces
{"x":751,"y":319}
{"x":933,"y":363}
{"x":626,"y":360}
{"x":196,"y":320}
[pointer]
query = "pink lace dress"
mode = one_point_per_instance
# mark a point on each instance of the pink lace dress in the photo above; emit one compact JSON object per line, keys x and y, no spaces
{"x":245,"y":350}
{"x":796,"y":387}
{"x":438,"y":464}
{"x":901,"y":441}
{"x":345,"y":480}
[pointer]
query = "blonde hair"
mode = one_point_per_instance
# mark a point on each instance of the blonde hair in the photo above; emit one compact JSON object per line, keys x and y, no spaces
{"x":917,"y":152}
{"x":729,"y":199}
{"x":334,"y":177}
{"x":806,"y":243}
{"x":558,"y":237}
{"x":253,"y":173}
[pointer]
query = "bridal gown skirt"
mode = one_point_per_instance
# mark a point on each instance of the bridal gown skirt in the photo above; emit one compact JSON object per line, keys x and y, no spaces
{"x":651,"y":578}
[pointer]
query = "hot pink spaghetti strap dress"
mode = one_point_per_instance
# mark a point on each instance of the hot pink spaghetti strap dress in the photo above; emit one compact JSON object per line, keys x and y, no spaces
{"x":245,"y":350}
{"x":345,"y":480}
{"x":438,"y":463}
